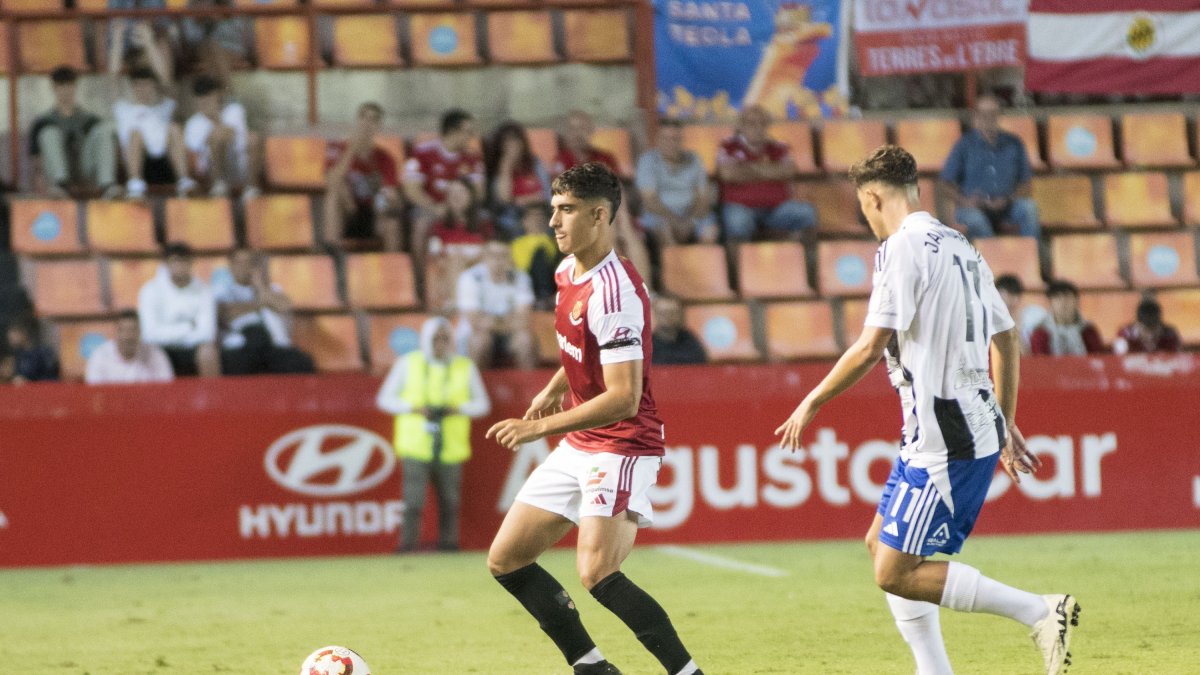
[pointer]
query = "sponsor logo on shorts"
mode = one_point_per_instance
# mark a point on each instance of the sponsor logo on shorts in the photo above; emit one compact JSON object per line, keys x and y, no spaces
{"x":596,"y":476}
{"x":939,"y":537}
{"x":891,"y":529}
{"x":599,"y":500}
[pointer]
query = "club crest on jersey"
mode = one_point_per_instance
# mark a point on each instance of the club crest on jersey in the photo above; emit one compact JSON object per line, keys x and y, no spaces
{"x":577,"y":313}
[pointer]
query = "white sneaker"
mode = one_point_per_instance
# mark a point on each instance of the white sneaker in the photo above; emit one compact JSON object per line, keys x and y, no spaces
{"x":1052,"y":634}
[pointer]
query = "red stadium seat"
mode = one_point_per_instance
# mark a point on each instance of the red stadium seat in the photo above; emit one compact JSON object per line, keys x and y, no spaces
{"x":443,"y":39}
{"x":1088,"y":260}
{"x":380,"y":281}
{"x":369,"y":40}
{"x":928,"y":139}
{"x":597,"y":35}
{"x":1155,"y":140}
{"x":45,"y":227}
{"x":845,"y":267}
{"x":125,"y":227}
{"x":1081,"y":141}
{"x":696,"y":272}
{"x":845,"y":142}
{"x":1025,"y":128}
{"x":331,"y":340}
{"x":279,"y":222}
{"x":1065,"y":202}
{"x":391,"y":335}
{"x":68,"y":288}
{"x":725,"y":330}
{"x":773,"y":270}
{"x":1161,"y":259}
{"x":1013,"y":255}
{"x":1137,"y":199}
{"x":309,"y":281}
{"x":521,"y":37}
{"x":203,"y":224}
{"x":800,"y":330}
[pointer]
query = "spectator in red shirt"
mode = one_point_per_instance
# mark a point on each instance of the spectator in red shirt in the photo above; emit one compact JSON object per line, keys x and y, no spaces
{"x":1148,"y":334}
{"x":1065,"y":332}
{"x":362,"y":199}
{"x":756,"y":174}
{"x":516,"y":178}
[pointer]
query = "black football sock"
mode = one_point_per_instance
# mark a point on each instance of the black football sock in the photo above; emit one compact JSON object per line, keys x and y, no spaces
{"x":544,"y":598}
{"x":645,"y":617}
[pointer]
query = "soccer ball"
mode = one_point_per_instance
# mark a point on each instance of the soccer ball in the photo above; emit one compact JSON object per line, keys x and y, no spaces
{"x":334,"y":660}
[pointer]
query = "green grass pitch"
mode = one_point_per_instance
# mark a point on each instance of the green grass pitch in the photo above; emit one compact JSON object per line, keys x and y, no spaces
{"x":443,"y":615}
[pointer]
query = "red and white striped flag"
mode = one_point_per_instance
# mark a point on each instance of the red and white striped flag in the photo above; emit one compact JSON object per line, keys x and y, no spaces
{"x":1114,"y":46}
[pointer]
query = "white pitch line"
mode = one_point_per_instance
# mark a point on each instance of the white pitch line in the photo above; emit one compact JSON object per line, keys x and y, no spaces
{"x":721,"y":561}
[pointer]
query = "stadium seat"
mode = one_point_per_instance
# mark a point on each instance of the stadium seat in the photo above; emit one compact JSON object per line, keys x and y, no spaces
{"x":260,"y":3}
{"x":521,"y":37}
{"x":773,"y":270}
{"x":545,"y":337}
{"x":854,"y":316}
{"x":696,"y":272}
{"x":724,"y":329}
{"x":1080,"y":142}
{"x":367,"y":40}
{"x":837,"y":207}
{"x":1181,"y":308}
{"x":799,"y":137}
{"x":543,"y":143}
{"x":1137,"y":199}
{"x":1155,"y":140}
{"x":800,"y":330}
{"x":331,"y":340}
{"x":616,"y":141}
{"x":844,"y":142}
{"x":1025,"y":128}
{"x":443,"y":39}
{"x":1160,"y":259}
{"x":296,"y":162}
{"x":4,"y":48}
{"x":705,"y":141}
{"x":279,"y":222}
{"x":1191,"y":198}
{"x":845,"y":267}
{"x":46,"y":45}
{"x":928,"y":139}
{"x":126,"y":276}
{"x":926,"y":188}
{"x":1013,"y":255}
{"x":309,"y":281}
{"x":380,"y":281}
{"x":342,"y":3}
{"x":68,"y":288}
{"x":76,"y":342}
{"x":120,"y":227}
{"x":45,"y":227}
{"x":1088,"y":260}
{"x":282,"y":42}
{"x":32,"y":6}
{"x":203,"y":224}
{"x":597,"y":35}
{"x":1109,"y":310}
{"x":390,"y":335}
{"x":1065,"y":202}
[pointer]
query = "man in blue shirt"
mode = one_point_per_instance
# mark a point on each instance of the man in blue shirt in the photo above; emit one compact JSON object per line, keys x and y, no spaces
{"x":987,"y":179}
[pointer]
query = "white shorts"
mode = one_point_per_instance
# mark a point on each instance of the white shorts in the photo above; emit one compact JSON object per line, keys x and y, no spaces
{"x":576,"y":484}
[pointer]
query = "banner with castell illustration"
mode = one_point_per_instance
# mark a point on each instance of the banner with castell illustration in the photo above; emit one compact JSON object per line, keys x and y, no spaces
{"x":895,"y":37}
{"x":716,"y":58}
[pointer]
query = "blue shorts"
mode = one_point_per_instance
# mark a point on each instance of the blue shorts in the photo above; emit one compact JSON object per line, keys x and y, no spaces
{"x":927,"y":511}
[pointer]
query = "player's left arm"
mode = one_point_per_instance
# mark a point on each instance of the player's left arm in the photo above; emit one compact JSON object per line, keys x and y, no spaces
{"x":1006,"y":374}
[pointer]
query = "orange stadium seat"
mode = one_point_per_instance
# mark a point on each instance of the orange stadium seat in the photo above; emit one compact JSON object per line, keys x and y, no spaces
{"x":1080,"y":142}
{"x":260,"y":3}
{"x":543,"y":143}
{"x":724,"y":329}
{"x":800,"y":330}
{"x":342,"y":3}
{"x":296,"y":162}
{"x":705,"y":141}
{"x":1013,"y":255}
{"x":76,"y":342}
{"x":1155,"y":140}
{"x":309,"y":281}
{"x":1088,"y":260}
{"x":1109,"y":310}
{"x":521,"y":37}
{"x":394,"y":145}
{"x":203,"y":224}
{"x":799,"y":137}
{"x":1191,"y":198}
{"x":211,"y":268}
{"x":837,"y":207}
{"x":380,"y":281}
{"x":854,"y":316}
{"x":1160,"y":259}
{"x":845,"y":267}
{"x":1065,"y":202}
{"x":1025,"y":128}
{"x":31,"y":6}
{"x":331,"y":340}
{"x":443,"y":39}
{"x":545,"y":337}
{"x":696,"y":272}
{"x":844,"y":142}
{"x":45,"y":226}
{"x":929,"y":140}
{"x":424,"y":3}
{"x":120,"y":227}
{"x":46,"y":45}
{"x":366,"y":40}
{"x":1181,"y":308}
{"x":392,"y":335}
{"x":279,"y":222}
{"x":1137,"y":199}
{"x":597,"y":35}
{"x":126,"y":276}
{"x":773,"y":270}
{"x":282,"y":42}
{"x":927,"y":194}
{"x":616,"y":141}
{"x":4,"y":48}
{"x":68,"y":288}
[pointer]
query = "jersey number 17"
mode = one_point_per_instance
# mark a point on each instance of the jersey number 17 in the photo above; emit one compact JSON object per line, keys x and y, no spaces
{"x":970,"y":295}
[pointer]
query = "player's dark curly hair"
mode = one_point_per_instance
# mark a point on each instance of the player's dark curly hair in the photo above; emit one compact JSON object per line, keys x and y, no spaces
{"x":590,"y":181}
{"x":888,"y":164}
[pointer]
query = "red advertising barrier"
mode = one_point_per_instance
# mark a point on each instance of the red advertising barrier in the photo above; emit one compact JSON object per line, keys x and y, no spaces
{"x":253,"y":467}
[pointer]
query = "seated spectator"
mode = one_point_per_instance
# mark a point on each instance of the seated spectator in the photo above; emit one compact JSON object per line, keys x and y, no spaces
{"x":126,"y":359}
{"x":222,"y":148}
{"x":1064,"y":332}
{"x":516,"y":177}
{"x":177,"y":312}
{"x":756,"y":174}
{"x":151,"y":143}
{"x":1011,"y":290}
{"x":677,"y":201}
{"x":1148,"y":334}
{"x":32,"y":360}
{"x":253,"y":315}
{"x":986,"y":180}
{"x":362,"y":197}
{"x":536,"y":254}
{"x":493,"y":301}
{"x":73,"y":147}
{"x":674,"y":344}
{"x":212,"y":46}
{"x":463,"y":225}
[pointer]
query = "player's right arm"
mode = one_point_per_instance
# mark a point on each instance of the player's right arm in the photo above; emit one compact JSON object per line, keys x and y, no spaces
{"x":549,"y":399}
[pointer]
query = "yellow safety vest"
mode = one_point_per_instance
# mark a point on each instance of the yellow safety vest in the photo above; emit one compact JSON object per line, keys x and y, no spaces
{"x":434,"y":385}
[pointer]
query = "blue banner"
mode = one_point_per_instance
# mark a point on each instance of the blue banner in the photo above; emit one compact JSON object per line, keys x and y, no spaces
{"x":714,"y":58}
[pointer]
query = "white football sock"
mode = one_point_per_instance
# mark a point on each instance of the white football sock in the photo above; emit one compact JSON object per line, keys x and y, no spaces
{"x":690,"y":668}
{"x":921,"y":629}
{"x":969,"y":591}
{"x":593,"y":656}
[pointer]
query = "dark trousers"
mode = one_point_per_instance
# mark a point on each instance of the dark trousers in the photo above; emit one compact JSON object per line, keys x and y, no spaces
{"x":447,"y":483}
{"x":259,"y":355}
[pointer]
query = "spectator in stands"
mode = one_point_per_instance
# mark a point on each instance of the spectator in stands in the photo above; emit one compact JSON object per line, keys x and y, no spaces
{"x":985,"y":182}
{"x":756,"y":174}
{"x":493,"y":300}
{"x":674,"y":344}
{"x":1064,"y":332}
{"x":1011,"y":291}
{"x":253,"y":315}
{"x":177,"y":312}
{"x":463,"y":223}
{"x":677,"y":200}
{"x":516,"y":178}
{"x":151,"y":142}
{"x":73,"y":147}
{"x":1148,"y":334}
{"x":362,"y":197}
{"x":222,"y":148}
{"x":142,"y":43}
{"x":126,"y":359}
{"x":536,"y":254}
{"x":32,"y":360}
{"x":212,"y":46}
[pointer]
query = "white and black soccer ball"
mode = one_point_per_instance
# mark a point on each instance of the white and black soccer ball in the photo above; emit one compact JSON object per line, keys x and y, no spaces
{"x":334,"y":660}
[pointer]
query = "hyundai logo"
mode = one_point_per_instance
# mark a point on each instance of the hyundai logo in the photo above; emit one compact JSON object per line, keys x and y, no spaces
{"x":330,"y":460}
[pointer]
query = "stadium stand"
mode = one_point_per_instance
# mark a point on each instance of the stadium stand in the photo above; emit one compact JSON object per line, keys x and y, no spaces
{"x":204,"y":224}
{"x":68,"y":288}
{"x":32,"y":6}
{"x":1137,"y":199}
{"x":443,"y":39}
{"x":725,"y":329}
{"x":1088,"y":260}
{"x":844,"y":142}
{"x":799,"y":330}
{"x":1109,"y":311}
{"x":616,"y":141}
{"x":521,"y":37}
{"x":45,"y":227}
{"x":545,"y":337}
{"x":281,"y":42}
{"x":331,"y":340}
{"x":928,"y":139}
{"x":1080,"y":141}
{"x":310,"y":281}
{"x":1065,"y":202}
{"x":772,"y":270}
{"x":1191,"y":198}
{"x":836,"y":203}
{"x":799,"y":138}
{"x":844,"y":267}
{"x":390,"y":335}
{"x":543,"y":143}
{"x":46,"y":45}
{"x":1013,"y":255}
{"x":1161,"y":259}
{"x":377,"y":281}
{"x":1025,"y":127}
{"x":295,"y":162}
{"x":369,"y":40}
{"x":597,"y":35}
{"x":126,"y":276}
{"x":279,"y":222}
{"x":705,"y":141}
{"x":1181,"y":308}
{"x":696,"y":272}
{"x":76,"y":340}
{"x":854,"y":314}
{"x":124,"y":227}
{"x":1155,"y":140}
